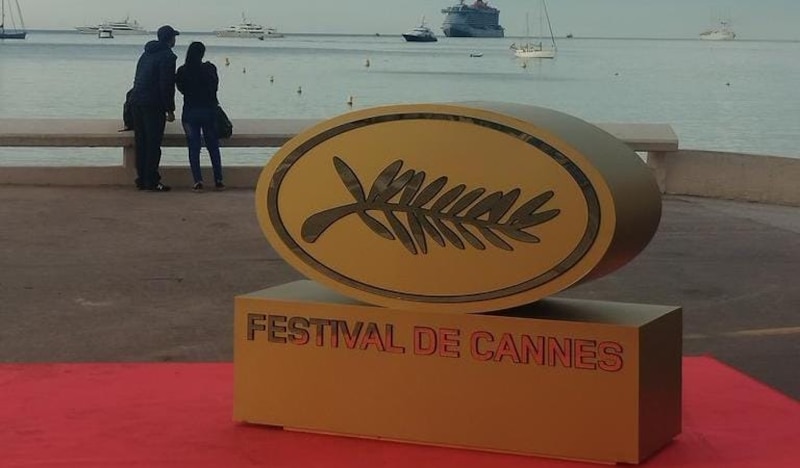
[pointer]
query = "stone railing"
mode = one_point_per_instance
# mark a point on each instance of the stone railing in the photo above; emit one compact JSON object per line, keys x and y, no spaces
{"x":92,"y":133}
{"x":765,"y":179}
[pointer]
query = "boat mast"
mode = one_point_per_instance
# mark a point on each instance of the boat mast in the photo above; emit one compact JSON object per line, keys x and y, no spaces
{"x":11,"y":14}
{"x":527,"y":27}
{"x":549,"y":26}
{"x":541,"y":22}
{"x":19,"y":12}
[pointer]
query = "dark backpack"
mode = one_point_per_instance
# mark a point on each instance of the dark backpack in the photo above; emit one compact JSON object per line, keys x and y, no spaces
{"x":127,"y":110}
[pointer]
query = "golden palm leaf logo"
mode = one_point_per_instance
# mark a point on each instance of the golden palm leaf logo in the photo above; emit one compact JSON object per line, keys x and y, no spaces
{"x":457,"y":216}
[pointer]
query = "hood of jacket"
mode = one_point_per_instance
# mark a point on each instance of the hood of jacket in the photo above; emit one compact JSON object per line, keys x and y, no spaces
{"x":154,"y":47}
{"x":154,"y":82}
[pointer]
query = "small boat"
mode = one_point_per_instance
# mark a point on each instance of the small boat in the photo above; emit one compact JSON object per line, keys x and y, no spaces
{"x":722,"y":33}
{"x":421,"y":33}
{"x":537,"y":49}
{"x":122,"y":27}
{"x":13,"y":32}
{"x":247,"y":29}
{"x":105,"y":32}
{"x":476,"y":54}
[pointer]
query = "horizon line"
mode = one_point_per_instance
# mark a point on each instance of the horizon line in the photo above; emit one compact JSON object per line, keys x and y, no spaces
{"x":381,"y":34}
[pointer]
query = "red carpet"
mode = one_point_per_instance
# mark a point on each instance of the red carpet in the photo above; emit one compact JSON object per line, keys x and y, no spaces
{"x":176,"y":415}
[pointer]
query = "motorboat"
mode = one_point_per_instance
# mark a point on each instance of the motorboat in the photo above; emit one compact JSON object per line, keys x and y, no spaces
{"x":248,"y":29}
{"x":105,"y":33}
{"x":421,"y":33}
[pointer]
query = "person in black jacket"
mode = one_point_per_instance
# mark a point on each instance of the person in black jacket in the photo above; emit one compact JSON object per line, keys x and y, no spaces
{"x":153,"y":106}
{"x":198,"y":81}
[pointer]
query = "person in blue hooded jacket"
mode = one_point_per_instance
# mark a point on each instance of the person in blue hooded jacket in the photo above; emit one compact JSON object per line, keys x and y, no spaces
{"x":153,"y":106}
{"x":198,"y":81}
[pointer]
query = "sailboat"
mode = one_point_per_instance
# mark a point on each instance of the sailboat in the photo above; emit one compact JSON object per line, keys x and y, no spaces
{"x":537,"y":49}
{"x":13,"y":32}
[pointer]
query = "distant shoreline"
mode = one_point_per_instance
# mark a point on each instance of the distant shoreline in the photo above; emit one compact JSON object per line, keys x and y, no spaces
{"x":381,"y":34}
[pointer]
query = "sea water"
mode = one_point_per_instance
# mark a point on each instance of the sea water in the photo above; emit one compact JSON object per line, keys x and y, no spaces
{"x":738,"y":96}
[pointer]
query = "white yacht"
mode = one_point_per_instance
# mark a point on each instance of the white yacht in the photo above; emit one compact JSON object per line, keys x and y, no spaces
{"x":722,"y":33}
{"x":247,"y":29}
{"x":125,"y":26}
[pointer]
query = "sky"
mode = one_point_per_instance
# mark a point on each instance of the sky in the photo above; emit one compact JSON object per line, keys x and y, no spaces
{"x":751,"y":19}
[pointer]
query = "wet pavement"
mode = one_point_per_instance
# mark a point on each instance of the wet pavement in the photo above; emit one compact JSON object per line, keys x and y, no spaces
{"x":113,"y":274}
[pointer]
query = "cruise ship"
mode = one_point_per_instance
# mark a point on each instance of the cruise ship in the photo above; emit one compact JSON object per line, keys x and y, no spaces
{"x":125,"y":26}
{"x":476,"y":20}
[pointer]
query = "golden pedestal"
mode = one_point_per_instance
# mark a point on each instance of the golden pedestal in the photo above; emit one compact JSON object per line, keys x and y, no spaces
{"x":561,"y":378}
{"x":437,"y":228}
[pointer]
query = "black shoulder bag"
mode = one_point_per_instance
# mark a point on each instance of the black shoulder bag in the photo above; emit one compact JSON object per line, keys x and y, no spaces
{"x":224,"y":124}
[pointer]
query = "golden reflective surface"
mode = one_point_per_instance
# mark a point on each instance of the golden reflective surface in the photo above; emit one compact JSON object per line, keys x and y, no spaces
{"x":440,"y":206}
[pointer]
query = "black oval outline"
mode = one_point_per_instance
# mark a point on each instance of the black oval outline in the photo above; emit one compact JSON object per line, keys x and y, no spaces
{"x":586,"y":242}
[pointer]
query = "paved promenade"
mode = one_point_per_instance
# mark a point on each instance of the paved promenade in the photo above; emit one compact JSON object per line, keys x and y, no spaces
{"x":112,"y":274}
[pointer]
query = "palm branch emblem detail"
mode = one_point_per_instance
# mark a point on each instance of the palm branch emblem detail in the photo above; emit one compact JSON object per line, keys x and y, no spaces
{"x":457,"y":216}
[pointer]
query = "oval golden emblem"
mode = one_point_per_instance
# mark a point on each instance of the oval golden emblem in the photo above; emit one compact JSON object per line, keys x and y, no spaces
{"x":464,"y":207}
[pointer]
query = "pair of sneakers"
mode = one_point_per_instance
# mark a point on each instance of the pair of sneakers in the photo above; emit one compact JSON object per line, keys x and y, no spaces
{"x":159,"y":187}
{"x":198,"y":186}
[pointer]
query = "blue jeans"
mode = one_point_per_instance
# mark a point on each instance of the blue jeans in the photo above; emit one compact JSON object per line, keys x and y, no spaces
{"x":195,"y":121}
